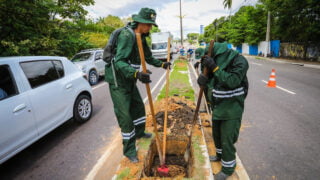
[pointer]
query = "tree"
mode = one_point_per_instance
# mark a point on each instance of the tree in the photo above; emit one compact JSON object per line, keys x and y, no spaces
{"x":294,"y":20}
{"x":193,"y":36}
{"x":227,"y":3}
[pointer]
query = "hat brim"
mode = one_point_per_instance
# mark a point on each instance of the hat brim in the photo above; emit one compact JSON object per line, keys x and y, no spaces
{"x":198,"y":57}
{"x":137,"y":18}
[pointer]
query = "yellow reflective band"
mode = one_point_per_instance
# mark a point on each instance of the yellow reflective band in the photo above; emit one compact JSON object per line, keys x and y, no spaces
{"x":135,"y":74}
{"x":215,"y":69}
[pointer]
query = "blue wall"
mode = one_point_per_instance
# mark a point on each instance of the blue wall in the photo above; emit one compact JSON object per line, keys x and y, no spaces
{"x":275,"y":47}
{"x":253,"y":50}
{"x":229,"y":46}
{"x":239,"y":48}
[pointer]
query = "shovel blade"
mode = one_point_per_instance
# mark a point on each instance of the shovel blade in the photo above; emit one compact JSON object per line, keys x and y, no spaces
{"x":163,"y":170}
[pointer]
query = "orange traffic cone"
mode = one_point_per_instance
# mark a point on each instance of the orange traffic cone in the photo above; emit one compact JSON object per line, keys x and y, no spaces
{"x":272,"y":79}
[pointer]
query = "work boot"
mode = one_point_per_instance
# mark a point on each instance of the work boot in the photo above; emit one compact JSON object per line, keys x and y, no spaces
{"x":214,"y":158}
{"x":146,"y":135}
{"x":133,"y":159}
{"x":220,"y":176}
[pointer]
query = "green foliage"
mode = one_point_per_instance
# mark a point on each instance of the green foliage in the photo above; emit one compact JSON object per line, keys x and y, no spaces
{"x":291,"y":21}
{"x":193,"y":36}
{"x":51,"y":27}
{"x":294,"y":20}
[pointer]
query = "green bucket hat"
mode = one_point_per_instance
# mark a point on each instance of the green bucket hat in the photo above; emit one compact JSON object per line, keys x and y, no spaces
{"x":146,"y":15}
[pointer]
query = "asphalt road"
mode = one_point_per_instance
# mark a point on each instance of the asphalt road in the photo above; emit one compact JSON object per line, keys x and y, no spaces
{"x":280,"y":133}
{"x":71,"y":151}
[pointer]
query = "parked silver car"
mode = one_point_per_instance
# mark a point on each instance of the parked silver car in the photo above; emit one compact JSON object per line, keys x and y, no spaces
{"x":90,"y":62}
{"x":37,"y":95}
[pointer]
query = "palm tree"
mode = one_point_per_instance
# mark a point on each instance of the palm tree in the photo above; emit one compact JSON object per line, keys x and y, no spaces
{"x":227,"y":3}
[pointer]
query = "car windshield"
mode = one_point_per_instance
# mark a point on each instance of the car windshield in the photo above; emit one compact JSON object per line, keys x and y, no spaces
{"x":156,"y":46}
{"x":81,"y":57}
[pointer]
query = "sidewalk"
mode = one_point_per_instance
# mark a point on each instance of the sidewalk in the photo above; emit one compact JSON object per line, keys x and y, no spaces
{"x":298,"y":62}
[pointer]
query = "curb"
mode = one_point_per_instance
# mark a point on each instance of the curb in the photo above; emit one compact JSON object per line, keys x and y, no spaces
{"x":287,"y":61}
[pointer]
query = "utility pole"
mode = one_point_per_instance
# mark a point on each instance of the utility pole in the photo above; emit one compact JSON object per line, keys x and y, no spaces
{"x":268,"y":34}
{"x":181,"y":33}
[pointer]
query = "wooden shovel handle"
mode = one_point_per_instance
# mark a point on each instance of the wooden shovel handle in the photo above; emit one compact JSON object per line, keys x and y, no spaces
{"x":144,"y":69}
{"x":164,"y":142}
{"x":205,"y":73}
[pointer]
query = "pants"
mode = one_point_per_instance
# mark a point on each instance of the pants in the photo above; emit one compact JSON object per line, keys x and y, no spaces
{"x":131,"y":116}
{"x":225,"y":135}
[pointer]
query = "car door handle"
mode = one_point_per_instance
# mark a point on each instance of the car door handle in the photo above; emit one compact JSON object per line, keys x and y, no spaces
{"x":68,"y":86}
{"x":19,"y":108}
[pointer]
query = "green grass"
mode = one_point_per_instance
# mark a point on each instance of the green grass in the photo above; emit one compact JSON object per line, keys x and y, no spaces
{"x":199,"y":158}
{"x":179,"y":82}
{"x":259,"y":58}
{"x":124,"y":173}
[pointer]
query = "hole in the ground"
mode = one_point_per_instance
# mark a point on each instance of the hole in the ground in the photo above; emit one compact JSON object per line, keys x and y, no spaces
{"x":178,"y":158}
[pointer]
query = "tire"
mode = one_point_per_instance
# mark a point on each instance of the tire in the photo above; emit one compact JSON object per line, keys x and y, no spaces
{"x":93,"y":77}
{"x":82,"y":109}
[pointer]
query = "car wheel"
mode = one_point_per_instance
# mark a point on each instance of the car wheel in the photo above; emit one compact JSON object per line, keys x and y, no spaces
{"x":82,"y":109}
{"x":93,"y":77}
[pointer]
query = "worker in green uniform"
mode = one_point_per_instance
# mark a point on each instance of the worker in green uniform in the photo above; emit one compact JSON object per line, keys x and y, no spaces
{"x":229,"y":86}
{"x":122,"y":76}
{"x":199,"y":52}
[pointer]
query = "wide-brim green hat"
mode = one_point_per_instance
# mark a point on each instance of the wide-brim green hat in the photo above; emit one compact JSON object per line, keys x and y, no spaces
{"x":146,"y":15}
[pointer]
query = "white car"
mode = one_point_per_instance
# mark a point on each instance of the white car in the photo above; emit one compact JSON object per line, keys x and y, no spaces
{"x":91,"y":64}
{"x":37,"y":94}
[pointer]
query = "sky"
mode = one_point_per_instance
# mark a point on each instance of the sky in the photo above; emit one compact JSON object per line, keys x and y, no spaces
{"x":195,"y":12}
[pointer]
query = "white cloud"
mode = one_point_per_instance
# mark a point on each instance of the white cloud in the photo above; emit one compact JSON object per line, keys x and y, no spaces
{"x":197,"y":12}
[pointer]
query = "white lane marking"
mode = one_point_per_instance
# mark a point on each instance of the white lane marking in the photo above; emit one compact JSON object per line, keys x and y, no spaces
{"x":256,"y":63}
{"x":100,"y":85}
{"x":146,"y":98}
{"x":283,"y":89}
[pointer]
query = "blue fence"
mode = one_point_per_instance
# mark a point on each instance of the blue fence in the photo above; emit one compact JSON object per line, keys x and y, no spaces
{"x":275,"y":47}
{"x":239,"y":48}
{"x":253,"y":50}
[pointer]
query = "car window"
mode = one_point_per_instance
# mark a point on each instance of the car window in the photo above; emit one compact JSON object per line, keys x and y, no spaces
{"x":98,"y":56}
{"x":8,"y":86}
{"x":59,"y":67}
{"x":81,"y":57}
{"x":156,"y":46}
{"x":39,"y":72}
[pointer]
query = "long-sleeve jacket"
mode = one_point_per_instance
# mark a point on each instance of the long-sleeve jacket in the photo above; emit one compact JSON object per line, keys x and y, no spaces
{"x":127,"y":60}
{"x":229,"y":84}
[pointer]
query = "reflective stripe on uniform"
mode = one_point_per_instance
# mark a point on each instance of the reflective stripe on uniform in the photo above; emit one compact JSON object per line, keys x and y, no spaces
{"x":228,"y":94}
{"x":219,"y":151}
{"x":128,"y":135}
{"x":228,"y":163}
{"x":135,"y":66}
{"x":139,"y":121}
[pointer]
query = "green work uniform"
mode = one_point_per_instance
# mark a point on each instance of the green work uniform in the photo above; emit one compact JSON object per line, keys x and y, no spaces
{"x":229,"y":88}
{"x":127,"y":101}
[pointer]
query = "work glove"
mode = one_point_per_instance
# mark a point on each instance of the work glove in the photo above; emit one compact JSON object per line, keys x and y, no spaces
{"x":143,"y":77}
{"x":165,"y":65}
{"x":196,"y":65}
{"x":202,"y":80}
{"x":209,"y":63}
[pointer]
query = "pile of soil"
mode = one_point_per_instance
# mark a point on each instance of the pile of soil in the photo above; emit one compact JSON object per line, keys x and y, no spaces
{"x":180,"y":115}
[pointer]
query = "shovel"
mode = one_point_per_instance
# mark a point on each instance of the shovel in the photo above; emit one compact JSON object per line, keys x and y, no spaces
{"x":164,"y":169}
{"x":205,"y":73}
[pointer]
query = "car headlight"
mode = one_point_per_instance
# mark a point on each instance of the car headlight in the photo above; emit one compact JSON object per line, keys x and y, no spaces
{"x":82,"y":68}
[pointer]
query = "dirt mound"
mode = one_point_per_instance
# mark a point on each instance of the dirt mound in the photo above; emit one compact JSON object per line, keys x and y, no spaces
{"x":180,"y":115}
